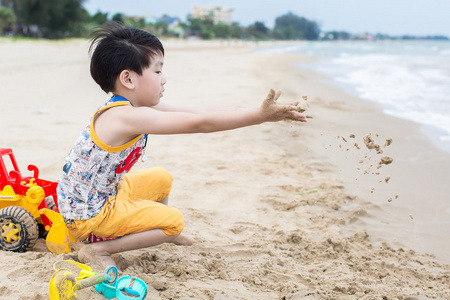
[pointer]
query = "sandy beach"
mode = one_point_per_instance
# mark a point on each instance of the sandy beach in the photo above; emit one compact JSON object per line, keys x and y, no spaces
{"x":279,"y":210}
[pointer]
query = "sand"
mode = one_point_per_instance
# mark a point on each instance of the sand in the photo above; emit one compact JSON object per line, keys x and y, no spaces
{"x":279,"y":211}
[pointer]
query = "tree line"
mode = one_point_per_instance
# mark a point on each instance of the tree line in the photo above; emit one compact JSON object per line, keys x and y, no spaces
{"x":54,"y":19}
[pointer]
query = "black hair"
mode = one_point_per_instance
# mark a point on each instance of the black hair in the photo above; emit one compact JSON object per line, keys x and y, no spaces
{"x":115,"y":47}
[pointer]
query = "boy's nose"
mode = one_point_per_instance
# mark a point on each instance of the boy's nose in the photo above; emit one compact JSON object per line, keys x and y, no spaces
{"x":164,"y":80}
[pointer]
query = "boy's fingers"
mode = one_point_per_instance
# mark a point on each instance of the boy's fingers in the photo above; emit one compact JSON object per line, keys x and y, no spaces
{"x":297,"y":116}
{"x":270,"y":95}
{"x":277,"y":95}
{"x":293,"y":107}
{"x":301,"y":117}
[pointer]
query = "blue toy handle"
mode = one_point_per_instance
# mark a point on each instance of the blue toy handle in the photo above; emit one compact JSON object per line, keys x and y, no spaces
{"x":130,"y":291}
{"x":111,"y":275}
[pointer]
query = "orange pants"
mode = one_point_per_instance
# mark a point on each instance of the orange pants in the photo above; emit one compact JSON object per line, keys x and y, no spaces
{"x":134,"y":208}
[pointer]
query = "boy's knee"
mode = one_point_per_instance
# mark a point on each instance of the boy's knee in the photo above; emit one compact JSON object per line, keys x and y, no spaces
{"x":164,"y":175}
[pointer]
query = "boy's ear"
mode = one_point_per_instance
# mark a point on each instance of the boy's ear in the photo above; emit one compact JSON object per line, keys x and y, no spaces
{"x":126,"y":79}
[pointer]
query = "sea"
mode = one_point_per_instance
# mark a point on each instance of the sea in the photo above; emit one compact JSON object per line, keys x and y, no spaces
{"x":409,"y":79}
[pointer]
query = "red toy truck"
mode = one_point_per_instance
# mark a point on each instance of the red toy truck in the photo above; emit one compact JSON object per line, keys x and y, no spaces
{"x":27,"y":204}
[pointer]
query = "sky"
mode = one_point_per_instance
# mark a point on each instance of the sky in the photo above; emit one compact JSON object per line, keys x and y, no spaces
{"x":394,"y":17}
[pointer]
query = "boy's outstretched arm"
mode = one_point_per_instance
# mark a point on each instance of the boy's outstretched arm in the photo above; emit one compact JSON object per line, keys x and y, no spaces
{"x":121,"y":123}
{"x":218,"y":120}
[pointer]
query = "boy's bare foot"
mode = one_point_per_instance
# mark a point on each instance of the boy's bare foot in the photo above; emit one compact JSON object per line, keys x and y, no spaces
{"x":88,"y":255}
{"x":184,"y":240}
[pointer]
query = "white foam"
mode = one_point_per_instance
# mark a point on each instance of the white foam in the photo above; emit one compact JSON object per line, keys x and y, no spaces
{"x":409,"y":86}
{"x":411,"y":79}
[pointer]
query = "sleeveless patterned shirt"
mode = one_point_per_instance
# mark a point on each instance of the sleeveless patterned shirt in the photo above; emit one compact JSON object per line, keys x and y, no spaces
{"x":92,"y":170}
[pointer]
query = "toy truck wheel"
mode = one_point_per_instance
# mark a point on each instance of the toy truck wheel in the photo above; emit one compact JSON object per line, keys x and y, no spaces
{"x":18,"y":229}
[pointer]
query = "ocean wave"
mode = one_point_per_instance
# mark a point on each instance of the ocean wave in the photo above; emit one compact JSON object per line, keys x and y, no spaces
{"x":411,"y":80}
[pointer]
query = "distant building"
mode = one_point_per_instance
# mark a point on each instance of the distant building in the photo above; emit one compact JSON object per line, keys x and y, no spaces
{"x":173,"y":25}
{"x":216,"y":13}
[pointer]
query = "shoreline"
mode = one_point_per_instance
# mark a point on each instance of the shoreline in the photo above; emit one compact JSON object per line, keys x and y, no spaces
{"x":324,"y":62}
{"x":417,"y":175}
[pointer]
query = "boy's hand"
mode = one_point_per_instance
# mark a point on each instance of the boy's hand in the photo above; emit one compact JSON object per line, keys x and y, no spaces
{"x":274,"y":112}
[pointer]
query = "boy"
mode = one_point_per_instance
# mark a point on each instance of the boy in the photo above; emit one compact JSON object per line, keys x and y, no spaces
{"x":95,"y":193}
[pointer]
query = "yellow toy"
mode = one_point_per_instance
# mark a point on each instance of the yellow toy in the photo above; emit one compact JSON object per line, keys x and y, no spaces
{"x":63,"y":284}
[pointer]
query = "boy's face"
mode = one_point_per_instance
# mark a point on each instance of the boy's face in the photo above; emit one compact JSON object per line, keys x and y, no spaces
{"x":150,"y":85}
